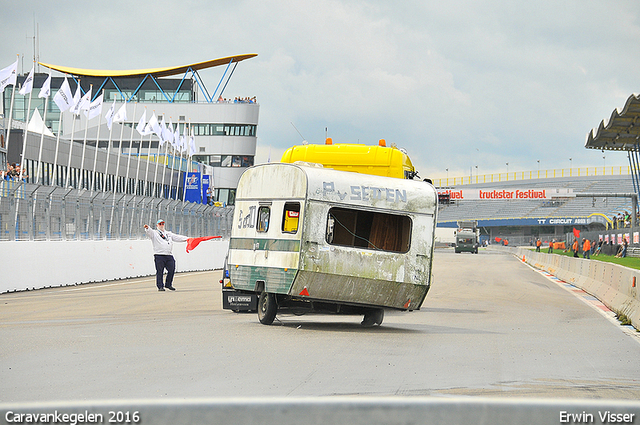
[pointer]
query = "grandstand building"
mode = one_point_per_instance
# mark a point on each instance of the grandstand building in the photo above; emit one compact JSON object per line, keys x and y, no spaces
{"x":225,"y":131}
{"x":522,"y":220}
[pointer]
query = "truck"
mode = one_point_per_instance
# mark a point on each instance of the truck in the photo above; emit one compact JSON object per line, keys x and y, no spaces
{"x":379,"y":160}
{"x":467,"y":237}
{"x":306,"y":238}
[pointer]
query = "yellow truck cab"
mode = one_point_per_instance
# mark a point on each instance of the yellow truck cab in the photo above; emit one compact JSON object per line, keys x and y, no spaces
{"x":378,"y":160}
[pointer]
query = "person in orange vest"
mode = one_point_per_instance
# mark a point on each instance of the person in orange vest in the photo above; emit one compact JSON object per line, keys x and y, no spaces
{"x":586,"y":248}
{"x":550,"y":247}
{"x":575,"y":248}
{"x":538,"y":245}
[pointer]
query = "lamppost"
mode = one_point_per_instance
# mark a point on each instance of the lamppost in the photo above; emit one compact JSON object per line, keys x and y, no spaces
{"x":476,"y":174}
{"x":604,"y":165}
{"x":570,"y":166}
{"x":538,"y":168}
{"x":507,"y":171}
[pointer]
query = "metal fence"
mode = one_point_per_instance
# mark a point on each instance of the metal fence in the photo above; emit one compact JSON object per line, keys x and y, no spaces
{"x":36,"y":212}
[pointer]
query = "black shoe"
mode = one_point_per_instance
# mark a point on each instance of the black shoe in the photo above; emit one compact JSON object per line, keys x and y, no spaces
{"x":160,"y":289}
{"x":171,"y":288}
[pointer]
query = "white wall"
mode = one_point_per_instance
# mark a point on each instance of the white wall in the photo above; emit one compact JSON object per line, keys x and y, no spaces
{"x":41,"y":264}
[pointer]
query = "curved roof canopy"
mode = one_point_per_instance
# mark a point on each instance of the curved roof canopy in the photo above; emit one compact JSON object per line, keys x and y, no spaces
{"x":156,"y":72}
{"x":621,"y":132}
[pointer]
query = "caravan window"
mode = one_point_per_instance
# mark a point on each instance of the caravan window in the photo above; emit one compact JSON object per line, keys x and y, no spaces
{"x":291,"y":217}
{"x":366,"y":229}
{"x":263,"y":219}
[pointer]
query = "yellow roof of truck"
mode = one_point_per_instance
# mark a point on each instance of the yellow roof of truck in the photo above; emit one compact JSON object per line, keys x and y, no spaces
{"x":377,"y":160}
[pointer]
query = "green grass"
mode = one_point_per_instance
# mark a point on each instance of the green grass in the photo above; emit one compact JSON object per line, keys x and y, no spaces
{"x":631,"y":262}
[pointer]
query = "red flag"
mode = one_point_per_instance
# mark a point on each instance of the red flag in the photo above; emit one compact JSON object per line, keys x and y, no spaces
{"x":498,"y":239}
{"x":193,"y":242}
{"x":576,"y":233}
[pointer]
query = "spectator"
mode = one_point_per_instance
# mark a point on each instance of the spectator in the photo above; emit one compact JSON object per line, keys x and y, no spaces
{"x":599,"y":248}
{"x":586,"y":248}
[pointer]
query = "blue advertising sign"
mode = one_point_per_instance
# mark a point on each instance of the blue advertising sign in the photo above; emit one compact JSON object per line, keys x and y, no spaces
{"x":192,"y":191}
{"x":547,"y":221}
{"x":205,"y":187}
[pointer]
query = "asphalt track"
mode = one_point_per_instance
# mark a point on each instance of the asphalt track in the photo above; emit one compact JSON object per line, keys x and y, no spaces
{"x":490,"y":326}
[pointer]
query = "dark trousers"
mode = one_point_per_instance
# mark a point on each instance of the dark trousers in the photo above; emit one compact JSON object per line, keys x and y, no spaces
{"x":164,"y":262}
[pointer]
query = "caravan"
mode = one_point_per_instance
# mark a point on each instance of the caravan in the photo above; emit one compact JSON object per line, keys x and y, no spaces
{"x":307,"y":238}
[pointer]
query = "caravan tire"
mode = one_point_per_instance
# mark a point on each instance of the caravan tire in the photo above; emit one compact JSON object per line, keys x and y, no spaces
{"x":267,"y":308}
{"x":373,"y":317}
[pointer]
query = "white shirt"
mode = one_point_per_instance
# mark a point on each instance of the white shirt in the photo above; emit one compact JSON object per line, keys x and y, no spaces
{"x":163,"y":241}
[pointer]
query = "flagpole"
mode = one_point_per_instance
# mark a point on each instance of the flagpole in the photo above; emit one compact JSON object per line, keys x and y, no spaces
{"x":135,"y":192}
{"x":173,"y":165}
{"x":146,"y":171}
{"x":184,"y":192}
{"x":126,"y":179}
{"x":166,"y":156}
{"x":13,"y":93}
{"x":115,"y":187}
{"x":73,"y":129}
{"x":95,"y":156}
{"x":84,"y":145}
{"x":24,"y":138}
{"x":155,"y":174}
{"x":146,"y":175}
{"x":44,"y":120}
{"x":106,"y":164}
{"x":55,"y":158}
{"x":10,"y":119}
{"x":135,"y":185}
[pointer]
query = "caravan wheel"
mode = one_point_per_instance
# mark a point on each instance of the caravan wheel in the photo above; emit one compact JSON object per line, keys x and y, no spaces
{"x":267,"y":308}
{"x":373,"y":317}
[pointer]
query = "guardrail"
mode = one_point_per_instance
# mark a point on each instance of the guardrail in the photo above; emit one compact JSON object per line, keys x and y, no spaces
{"x":36,"y":212}
{"x":531,"y":175}
{"x":615,"y":286}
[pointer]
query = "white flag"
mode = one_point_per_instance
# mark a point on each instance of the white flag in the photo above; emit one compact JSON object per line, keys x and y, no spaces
{"x":110,"y":113}
{"x":163,"y":130}
{"x":170,"y":134}
{"x":192,"y":144}
{"x":45,"y":90}
{"x":121,"y":115}
{"x":176,"y":137}
{"x":75,"y":102}
{"x":155,"y":127}
{"x":27,"y":86}
{"x":8,"y":75}
{"x":140,"y":128}
{"x":83,"y":104}
{"x":62,"y":97}
{"x":95,"y":107}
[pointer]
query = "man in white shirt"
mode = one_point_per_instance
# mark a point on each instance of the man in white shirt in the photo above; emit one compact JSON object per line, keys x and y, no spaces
{"x":162,"y":241}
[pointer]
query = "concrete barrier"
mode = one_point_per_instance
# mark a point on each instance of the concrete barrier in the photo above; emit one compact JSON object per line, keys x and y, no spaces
{"x":43,"y":264}
{"x":615,"y":286}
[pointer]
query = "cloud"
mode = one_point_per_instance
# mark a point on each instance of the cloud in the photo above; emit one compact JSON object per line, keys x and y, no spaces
{"x":457,"y":84}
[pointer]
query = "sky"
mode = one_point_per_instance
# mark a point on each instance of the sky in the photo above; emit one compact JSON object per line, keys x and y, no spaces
{"x":465,"y":87}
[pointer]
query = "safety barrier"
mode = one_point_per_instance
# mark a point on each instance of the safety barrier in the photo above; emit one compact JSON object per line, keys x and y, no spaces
{"x":330,"y":410}
{"x":30,"y":265}
{"x":615,"y":286}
